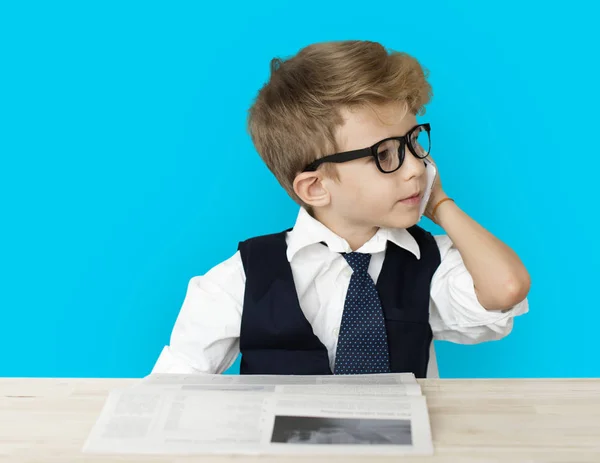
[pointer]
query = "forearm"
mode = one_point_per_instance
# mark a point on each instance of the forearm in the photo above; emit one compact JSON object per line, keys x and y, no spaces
{"x":500,"y":278}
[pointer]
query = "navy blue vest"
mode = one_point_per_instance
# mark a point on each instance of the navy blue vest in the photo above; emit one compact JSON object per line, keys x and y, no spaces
{"x":277,"y":339}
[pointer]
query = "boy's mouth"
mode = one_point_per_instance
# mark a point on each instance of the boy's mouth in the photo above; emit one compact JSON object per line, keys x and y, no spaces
{"x":413,"y":196}
{"x":412,"y":200}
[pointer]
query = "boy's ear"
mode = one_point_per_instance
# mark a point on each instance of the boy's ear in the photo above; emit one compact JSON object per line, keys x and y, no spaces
{"x":311,"y":189}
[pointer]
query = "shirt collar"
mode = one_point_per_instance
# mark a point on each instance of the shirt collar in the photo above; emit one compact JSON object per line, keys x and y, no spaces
{"x":308,"y":231}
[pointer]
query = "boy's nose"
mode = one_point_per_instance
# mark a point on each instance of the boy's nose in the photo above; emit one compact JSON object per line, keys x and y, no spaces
{"x":412,"y":166}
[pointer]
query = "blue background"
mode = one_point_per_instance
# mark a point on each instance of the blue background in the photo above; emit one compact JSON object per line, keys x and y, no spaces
{"x":111,"y":114}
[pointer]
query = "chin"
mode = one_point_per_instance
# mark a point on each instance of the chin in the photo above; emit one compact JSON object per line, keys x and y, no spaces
{"x":403,"y":220}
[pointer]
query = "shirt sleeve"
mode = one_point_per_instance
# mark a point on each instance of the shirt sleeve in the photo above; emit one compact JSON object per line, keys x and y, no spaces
{"x":456,"y":314}
{"x":205,"y":337}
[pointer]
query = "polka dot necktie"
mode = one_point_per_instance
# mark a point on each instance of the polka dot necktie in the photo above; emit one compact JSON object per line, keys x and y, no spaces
{"x":362,"y":346}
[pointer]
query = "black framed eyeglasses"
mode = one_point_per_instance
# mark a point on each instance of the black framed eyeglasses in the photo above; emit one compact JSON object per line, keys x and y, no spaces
{"x":388,"y":153}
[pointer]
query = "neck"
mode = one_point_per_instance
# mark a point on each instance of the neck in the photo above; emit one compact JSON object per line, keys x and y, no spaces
{"x":356,"y":235}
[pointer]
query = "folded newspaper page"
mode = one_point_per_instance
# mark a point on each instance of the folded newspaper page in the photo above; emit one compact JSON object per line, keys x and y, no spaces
{"x":265,"y":415}
{"x":393,"y":384}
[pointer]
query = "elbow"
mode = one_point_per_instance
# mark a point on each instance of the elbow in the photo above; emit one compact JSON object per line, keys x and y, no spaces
{"x":506,"y":296}
{"x":517,"y":289}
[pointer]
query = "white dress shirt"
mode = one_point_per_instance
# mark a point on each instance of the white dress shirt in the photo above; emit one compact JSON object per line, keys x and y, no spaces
{"x":205,"y":338}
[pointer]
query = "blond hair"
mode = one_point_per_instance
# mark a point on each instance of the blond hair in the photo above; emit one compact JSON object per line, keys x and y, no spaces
{"x":293,"y":119}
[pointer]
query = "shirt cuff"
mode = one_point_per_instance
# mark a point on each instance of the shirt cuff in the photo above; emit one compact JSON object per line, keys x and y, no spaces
{"x":492,"y":325}
{"x":170,"y":363}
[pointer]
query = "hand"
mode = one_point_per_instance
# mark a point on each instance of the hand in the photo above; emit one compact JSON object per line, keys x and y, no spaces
{"x":437,"y":193}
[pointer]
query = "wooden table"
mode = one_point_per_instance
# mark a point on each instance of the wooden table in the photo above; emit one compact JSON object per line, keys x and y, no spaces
{"x":514,"y":420}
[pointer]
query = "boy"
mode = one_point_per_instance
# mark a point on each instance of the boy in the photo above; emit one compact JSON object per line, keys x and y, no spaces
{"x":356,"y":286}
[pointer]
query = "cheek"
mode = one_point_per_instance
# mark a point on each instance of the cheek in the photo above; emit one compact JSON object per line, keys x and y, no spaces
{"x":371,"y":192}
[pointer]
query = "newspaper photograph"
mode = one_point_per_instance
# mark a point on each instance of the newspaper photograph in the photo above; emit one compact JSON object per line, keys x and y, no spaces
{"x":318,"y":430}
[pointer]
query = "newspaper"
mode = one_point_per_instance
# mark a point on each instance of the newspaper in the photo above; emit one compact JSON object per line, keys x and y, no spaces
{"x":265,"y":415}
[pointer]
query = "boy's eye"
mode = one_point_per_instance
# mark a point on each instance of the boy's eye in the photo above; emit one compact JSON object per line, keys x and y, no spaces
{"x":388,"y":155}
{"x":383,"y":155}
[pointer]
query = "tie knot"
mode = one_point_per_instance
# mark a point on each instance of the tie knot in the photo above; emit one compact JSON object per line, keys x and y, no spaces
{"x":359,"y":262}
